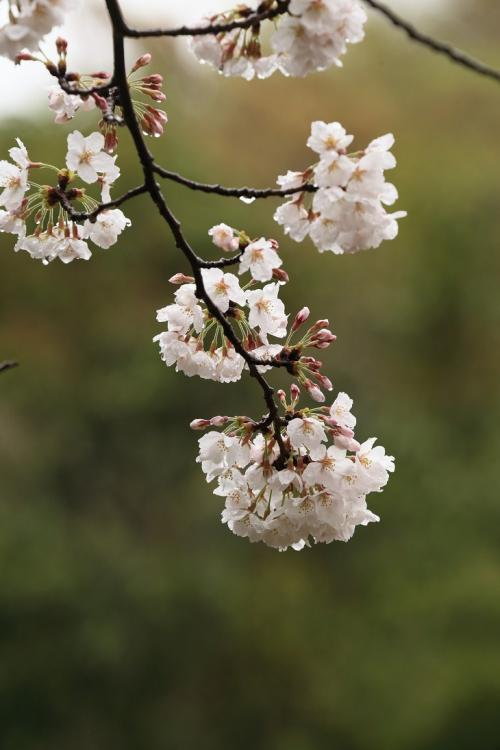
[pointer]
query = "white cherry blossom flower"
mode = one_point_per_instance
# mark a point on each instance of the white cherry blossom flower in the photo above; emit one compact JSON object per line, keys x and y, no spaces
{"x":294,"y":218}
{"x":65,"y":106}
{"x":14,"y":177}
{"x":267,"y":311}
{"x":107,"y":227}
{"x":328,"y":137}
{"x":224,"y":237}
{"x":222,"y":288}
{"x":70,"y":248}
{"x":12,"y":223}
{"x":307,"y":433}
{"x":260,"y":258}
{"x":333,"y":169}
{"x":340,"y":411}
{"x":327,"y":468}
{"x":86,"y":156}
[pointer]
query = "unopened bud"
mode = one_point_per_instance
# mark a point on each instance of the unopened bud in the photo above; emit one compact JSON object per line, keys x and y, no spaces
{"x":282,"y":396}
{"x":324,"y":382}
{"x":294,"y":393}
{"x":323,"y":338}
{"x":101,"y":75}
{"x":61,"y":46}
{"x":200,"y":424}
{"x":155,"y":79}
{"x":181,"y":278}
{"x":23,"y":56}
{"x":314,"y":392}
{"x":141,"y":62}
{"x":280,"y":275}
{"x":101,"y":102}
{"x":325,"y":323}
{"x":157,"y":96}
{"x":110,"y":140}
{"x":300,"y":318}
{"x":219,"y":421}
{"x":347,"y":444}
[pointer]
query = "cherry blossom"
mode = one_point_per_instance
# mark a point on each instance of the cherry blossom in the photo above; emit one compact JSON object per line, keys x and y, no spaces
{"x":224,"y":237}
{"x":318,"y":496}
{"x":260,"y":258}
{"x":313,"y":35}
{"x":14,"y":177}
{"x":267,"y":311}
{"x":223,"y":288}
{"x":86,"y":156}
{"x":346,"y":213}
{"x":106,"y":228}
{"x":30,"y":21}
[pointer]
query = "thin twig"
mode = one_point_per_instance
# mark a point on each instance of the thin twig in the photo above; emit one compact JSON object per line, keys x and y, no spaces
{"x":253,"y":19}
{"x":443,"y":48}
{"x":230,"y":192}
{"x":92,"y":215}
{"x":196,"y":263}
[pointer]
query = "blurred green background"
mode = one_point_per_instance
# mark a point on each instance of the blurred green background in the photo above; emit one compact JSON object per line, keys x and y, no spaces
{"x":130,"y":618}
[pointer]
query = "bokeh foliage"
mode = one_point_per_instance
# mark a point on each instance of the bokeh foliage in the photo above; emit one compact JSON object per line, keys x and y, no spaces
{"x":129,"y":617}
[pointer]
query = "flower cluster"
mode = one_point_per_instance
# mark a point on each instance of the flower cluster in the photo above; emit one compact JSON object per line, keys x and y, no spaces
{"x":30,"y":21}
{"x":347,"y":211}
{"x":196,"y":341}
{"x":316,"y":493}
{"x":311,"y":35}
{"x":47,"y":210}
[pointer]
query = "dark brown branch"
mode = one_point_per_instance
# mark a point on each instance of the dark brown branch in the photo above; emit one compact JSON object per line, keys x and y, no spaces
{"x":253,"y":19}
{"x":196,"y":263}
{"x":92,"y":215}
{"x":443,"y":48}
{"x":230,"y":192}
{"x":69,"y":87}
{"x":4,"y":366}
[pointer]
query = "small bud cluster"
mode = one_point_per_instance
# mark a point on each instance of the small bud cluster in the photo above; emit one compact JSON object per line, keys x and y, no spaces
{"x":151,"y":119}
{"x":70,"y":95}
{"x":40,"y":215}
{"x":317,"y":494}
{"x":311,"y":35}
{"x":29,"y":22}
{"x":347,"y":211}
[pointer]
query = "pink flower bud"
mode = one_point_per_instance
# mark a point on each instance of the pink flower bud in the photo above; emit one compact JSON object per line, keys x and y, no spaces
{"x":101,"y":75}
{"x":323,"y":338}
{"x":347,"y":444}
{"x":324,"y":323}
{"x":300,"y":318}
{"x":280,"y":275}
{"x":141,"y":62}
{"x":282,"y":396}
{"x":294,"y":392}
{"x":200,"y":424}
{"x":314,"y":392}
{"x":24,"y":56}
{"x":101,"y":102}
{"x":219,"y":421}
{"x":181,"y":278}
{"x":61,"y":45}
{"x":157,"y":96}
{"x":110,"y":140}
{"x":155,"y":79}
{"x":324,"y":382}
{"x":312,"y":363}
